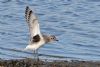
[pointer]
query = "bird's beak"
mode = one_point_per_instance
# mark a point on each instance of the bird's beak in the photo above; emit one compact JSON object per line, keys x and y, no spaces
{"x":57,"y":40}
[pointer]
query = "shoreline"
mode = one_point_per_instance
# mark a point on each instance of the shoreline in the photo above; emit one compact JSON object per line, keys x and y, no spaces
{"x":40,"y":63}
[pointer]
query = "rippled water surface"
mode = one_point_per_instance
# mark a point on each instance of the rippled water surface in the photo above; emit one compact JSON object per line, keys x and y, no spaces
{"x":76,"y":23}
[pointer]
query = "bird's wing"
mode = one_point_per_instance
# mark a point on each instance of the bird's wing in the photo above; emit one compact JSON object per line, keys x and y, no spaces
{"x":32,"y":21}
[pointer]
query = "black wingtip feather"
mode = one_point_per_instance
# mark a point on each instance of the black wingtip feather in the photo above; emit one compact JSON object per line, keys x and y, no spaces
{"x":27,"y":7}
{"x":29,"y":15}
{"x":26,"y":11}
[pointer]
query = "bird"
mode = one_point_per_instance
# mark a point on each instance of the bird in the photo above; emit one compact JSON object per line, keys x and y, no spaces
{"x":36,"y":38}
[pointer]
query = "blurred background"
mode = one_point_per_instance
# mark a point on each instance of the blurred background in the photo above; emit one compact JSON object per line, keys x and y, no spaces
{"x":76,"y":23}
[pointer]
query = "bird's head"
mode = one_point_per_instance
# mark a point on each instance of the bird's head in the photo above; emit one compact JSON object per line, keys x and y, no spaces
{"x":52,"y":38}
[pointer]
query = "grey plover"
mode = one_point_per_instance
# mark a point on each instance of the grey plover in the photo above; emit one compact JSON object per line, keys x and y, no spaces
{"x":36,"y":38}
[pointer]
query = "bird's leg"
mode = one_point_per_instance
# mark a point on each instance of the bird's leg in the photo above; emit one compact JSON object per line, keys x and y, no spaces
{"x":36,"y":55}
{"x":36,"y":58}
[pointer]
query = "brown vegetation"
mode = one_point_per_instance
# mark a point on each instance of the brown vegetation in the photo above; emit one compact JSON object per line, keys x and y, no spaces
{"x":38,"y":63}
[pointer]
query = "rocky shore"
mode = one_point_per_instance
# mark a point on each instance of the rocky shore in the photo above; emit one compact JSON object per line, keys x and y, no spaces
{"x":40,"y":63}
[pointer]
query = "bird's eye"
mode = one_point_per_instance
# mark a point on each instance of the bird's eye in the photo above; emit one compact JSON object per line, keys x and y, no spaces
{"x":52,"y":38}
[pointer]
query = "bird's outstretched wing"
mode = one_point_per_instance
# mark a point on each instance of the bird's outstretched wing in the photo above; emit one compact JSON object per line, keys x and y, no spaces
{"x":32,"y":21}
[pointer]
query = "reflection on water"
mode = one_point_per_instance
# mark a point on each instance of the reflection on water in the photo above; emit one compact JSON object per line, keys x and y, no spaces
{"x":75,"y":23}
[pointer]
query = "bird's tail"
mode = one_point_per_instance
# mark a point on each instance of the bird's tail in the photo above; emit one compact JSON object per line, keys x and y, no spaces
{"x":27,"y":47}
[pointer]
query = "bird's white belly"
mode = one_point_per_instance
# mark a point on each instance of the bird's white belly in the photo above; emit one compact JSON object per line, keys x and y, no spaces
{"x":35,"y":46}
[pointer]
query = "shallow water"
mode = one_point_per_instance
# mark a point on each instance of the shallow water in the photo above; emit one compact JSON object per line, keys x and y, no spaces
{"x":76,"y":23}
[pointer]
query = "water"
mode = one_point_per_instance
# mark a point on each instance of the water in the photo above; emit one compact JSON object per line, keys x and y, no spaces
{"x":76,"y":23}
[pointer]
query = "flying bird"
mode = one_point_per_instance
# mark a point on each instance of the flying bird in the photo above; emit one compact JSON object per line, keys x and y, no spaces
{"x":37,"y":39}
